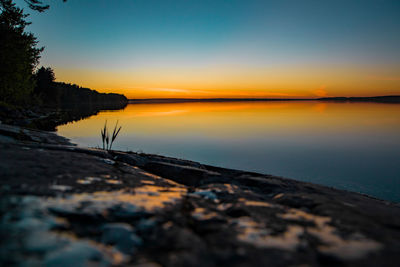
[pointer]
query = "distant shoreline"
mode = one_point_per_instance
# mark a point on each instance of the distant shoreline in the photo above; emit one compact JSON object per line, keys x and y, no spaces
{"x":376,"y":99}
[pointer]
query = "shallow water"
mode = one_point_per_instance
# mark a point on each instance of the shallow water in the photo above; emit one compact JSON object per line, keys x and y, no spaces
{"x":353,"y":146}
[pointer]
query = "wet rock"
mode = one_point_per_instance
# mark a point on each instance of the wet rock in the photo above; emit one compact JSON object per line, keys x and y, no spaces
{"x":122,"y":236}
{"x":128,"y":212}
{"x":76,"y":254}
{"x":163,"y":159}
{"x":186,"y":175}
{"x":296,"y":201}
{"x":145,"y":225}
{"x":42,"y":242}
{"x":132,"y":159}
{"x":267,"y":184}
{"x":26,"y":229}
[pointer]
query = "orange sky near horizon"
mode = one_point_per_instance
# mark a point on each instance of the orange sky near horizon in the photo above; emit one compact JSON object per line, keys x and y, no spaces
{"x":231,"y":82}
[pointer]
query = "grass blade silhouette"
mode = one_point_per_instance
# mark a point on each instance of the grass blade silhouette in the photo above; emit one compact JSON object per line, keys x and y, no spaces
{"x":107,"y":139}
{"x":115,"y":134}
{"x":105,"y":136}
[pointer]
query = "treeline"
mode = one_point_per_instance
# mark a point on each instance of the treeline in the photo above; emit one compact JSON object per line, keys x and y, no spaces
{"x":71,"y":96}
{"x":378,"y":99}
{"x":22,"y":85}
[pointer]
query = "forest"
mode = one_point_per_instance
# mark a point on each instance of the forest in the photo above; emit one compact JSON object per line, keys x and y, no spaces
{"x":22,"y":83}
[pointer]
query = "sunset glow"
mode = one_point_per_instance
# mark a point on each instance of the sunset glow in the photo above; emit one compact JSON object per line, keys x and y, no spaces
{"x":208,"y":83}
{"x":207,"y":49}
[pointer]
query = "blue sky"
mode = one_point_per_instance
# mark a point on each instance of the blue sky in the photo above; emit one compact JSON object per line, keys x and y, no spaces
{"x":167,"y":38}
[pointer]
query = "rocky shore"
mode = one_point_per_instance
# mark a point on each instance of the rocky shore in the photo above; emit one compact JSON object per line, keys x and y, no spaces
{"x":63,"y":205}
{"x":48,"y":118}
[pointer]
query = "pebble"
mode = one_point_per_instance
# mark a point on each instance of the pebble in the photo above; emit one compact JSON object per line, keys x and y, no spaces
{"x":108,"y":161}
{"x":206,"y":194}
{"x":60,"y":187}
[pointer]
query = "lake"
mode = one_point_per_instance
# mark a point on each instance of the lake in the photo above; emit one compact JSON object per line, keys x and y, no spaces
{"x":352,"y":146}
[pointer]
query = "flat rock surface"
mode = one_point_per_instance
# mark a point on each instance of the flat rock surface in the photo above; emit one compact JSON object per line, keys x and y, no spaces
{"x":63,"y":205}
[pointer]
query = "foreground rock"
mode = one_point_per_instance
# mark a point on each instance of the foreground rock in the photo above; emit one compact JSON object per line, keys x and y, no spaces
{"x":62,"y":205}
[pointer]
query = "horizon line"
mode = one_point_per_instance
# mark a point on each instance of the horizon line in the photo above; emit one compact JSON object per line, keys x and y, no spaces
{"x":384,"y":98}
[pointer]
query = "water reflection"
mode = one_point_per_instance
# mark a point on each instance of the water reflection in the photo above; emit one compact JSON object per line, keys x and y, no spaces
{"x":354,"y":146}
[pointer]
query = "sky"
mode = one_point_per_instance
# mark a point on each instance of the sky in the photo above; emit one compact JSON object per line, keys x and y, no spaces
{"x":216,"y":48}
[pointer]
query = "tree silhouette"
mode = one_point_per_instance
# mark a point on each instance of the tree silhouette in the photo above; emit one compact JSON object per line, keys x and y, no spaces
{"x":18,"y":55}
{"x":45,"y":88}
{"x":38,"y":5}
{"x":45,"y":76}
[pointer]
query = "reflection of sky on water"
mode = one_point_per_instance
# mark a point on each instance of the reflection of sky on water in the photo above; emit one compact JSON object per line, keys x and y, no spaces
{"x":352,"y":146}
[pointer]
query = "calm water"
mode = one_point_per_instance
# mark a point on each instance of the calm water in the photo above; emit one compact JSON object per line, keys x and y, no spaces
{"x":353,"y":146}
